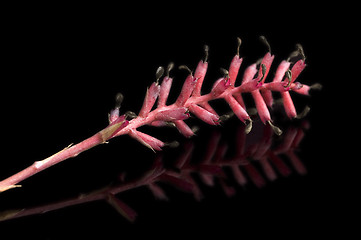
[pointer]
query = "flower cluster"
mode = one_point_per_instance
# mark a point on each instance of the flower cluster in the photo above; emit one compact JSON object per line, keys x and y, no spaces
{"x":190,"y":99}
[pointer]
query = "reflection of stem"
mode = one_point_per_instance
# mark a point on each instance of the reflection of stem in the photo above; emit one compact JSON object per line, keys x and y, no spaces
{"x":243,"y":166}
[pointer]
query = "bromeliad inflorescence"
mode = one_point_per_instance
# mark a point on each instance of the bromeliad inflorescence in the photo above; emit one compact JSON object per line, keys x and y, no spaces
{"x":192,"y":101}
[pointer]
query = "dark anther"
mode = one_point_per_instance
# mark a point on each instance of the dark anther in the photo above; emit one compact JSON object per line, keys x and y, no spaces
{"x":316,"y":86}
{"x":206,"y":52}
{"x":303,"y":113}
{"x":297,"y":53}
{"x":173,"y":144}
{"x":225,"y":72}
{"x":225,"y":117}
{"x":118,"y":100}
{"x":239,"y":42}
{"x":169,"y":68}
{"x":248,"y":126}
{"x":185,"y":68}
{"x":159,"y":73}
{"x":264,"y":40}
{"x":275,"y":129}
{"x":130,"y":115}
{"x":300,"y":50}
{"x":288,"y":75}
{"x":264,"y":69}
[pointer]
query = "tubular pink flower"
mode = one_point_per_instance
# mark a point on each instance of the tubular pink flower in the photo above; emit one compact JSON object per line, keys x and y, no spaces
{"x":149,"y":100}
{"x":265,"y":67}
{"x":289,"y":79}
{"x":164,"y":91}
{"x":261,"y":107}
{"x":237,"y":108}
{"x":248,"y":83}
{"x":183,"y":128}
{"x":204,"y":115}
{"x":249,"y":73}
{"x":199,"y":74}
{"x":267,"y":97}
{"x":172,"y":114}
{"x":289,"y":107}
{"x":208,"y":107}
{"x":262,"y":74}
{"x":220,"y":86}
{"x":297,"y":69}
{"x":147,"y":140}
{"x":304,"y":90}
{"x":234,"y":68}
{"x":187,"y":90}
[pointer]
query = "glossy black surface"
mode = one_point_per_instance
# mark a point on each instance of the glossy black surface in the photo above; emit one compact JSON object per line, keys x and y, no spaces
{"x":65,"y":73}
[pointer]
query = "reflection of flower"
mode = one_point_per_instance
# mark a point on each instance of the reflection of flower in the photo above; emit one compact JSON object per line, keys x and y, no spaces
{"x":256,"y":161}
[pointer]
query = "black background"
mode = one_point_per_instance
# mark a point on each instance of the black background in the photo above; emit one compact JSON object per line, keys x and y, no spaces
{"x":63,"y":65}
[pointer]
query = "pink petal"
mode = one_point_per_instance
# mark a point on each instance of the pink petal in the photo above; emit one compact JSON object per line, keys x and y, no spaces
{"x":261,"y":107}
{"x":240,"y":112}
{"x":234,"y":68}
{"x":147,"y":140}
{"x":164,"y":91}
{"x":187,"y":90}
{"x":183,"y":128}
{"x":200,"y":73}
{"x":220,"y":86}
{"x":149,"y":100}
{"x":280,"y":72}
{"x":204,"y":115}
{"x":173,"y":114}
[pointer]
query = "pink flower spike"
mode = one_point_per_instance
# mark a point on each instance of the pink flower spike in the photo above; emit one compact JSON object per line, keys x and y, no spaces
{"x":187,"y":88}
{"x":148,"y":141}
{"x":204,"y":115}
{"x":149,"y":100}
{"x":179,"y":113}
